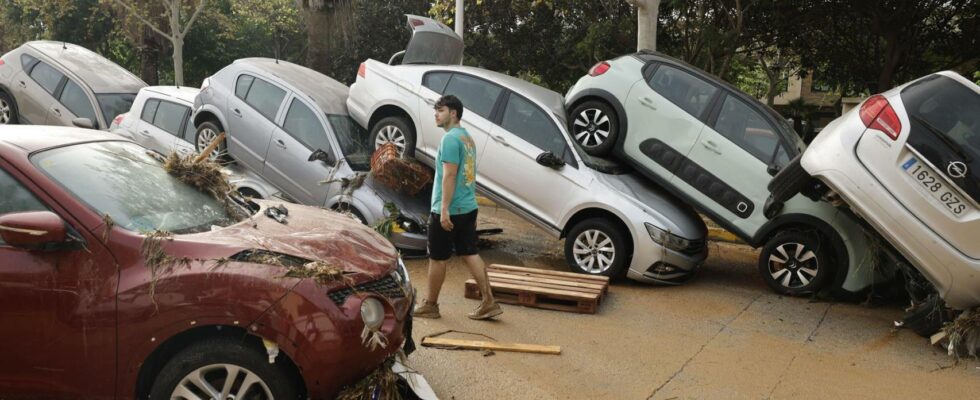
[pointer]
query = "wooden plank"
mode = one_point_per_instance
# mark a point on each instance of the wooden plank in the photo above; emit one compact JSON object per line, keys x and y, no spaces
{"x":545,"y":285}
{"x":598,"y":278}
{"x":536,"y":300}
{"x":495,"y":346}
{"x":552,"y":292}
{"x":533,"y":279}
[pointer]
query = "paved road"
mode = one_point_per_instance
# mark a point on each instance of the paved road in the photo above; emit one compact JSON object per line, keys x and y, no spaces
{"x":722,"y":336}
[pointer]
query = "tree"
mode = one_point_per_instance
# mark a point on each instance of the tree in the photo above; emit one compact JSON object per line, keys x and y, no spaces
{"x":328,"y":24}
{"x":177,"y":27}
{"x":647,"y":12}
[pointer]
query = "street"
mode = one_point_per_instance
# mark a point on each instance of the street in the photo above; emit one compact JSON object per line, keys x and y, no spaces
{"x":723,"y":335}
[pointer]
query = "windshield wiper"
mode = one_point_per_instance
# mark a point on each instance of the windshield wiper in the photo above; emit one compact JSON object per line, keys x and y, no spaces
{"x":957,"y":148}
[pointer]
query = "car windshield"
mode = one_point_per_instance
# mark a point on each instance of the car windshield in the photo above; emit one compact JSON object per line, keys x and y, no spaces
{"x":354,"y":141}
{"x":121,"y":180}
{"x":114,"y":104}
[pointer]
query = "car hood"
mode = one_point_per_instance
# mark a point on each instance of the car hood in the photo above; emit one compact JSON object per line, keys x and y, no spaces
{"x":680,"y":218}
{"x":415,"y":207}
{"x":309,"y":233}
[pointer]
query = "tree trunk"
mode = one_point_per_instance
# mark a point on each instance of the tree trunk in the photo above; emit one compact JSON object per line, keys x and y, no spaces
{"x":327,"y":30}
{"x":647,"y":12}
{"x":149,"y":57}
{"x":178,"y":61}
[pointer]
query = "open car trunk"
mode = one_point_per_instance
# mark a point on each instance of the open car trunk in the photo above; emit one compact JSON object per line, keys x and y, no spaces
{"x":432,"y":43}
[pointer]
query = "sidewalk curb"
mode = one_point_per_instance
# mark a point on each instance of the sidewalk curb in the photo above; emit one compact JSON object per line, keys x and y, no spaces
{"x":721,"y":235}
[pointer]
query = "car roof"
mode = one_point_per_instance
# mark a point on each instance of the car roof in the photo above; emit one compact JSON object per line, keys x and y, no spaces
{"x":328,"y":94}
{"x":551,"y":99}
{"x":99,"y":73}
{"x":182,"y":93}
{"x":26,"y":139}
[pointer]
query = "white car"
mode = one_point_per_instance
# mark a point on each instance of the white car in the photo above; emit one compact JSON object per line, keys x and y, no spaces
{"x":614,"y":222}
{"x":908,"y":162}
{"x":160,"y":120}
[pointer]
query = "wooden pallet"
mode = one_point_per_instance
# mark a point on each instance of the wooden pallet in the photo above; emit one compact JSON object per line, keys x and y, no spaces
{"x":553,"y":290}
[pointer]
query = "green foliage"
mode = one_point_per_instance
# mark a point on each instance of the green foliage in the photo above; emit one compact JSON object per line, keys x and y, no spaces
{"x":976,"y":76}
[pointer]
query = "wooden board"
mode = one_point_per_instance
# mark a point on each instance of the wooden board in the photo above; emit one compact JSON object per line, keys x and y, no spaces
{"x":553,"y":290}
{"x":495,"y":346}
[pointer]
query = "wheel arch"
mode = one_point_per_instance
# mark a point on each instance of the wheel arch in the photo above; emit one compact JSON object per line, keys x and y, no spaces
{"x":808,"y":222}
{"x":392,"y":110}
{"x":605,"y":97}
{"x":13,"y":100}
{"x":595,"y":212}
{"x":209,"y":112}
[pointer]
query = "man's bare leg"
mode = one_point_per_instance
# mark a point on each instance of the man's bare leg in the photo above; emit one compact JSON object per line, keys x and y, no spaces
{"x":437,"y":275}
{"x":479,"y":271}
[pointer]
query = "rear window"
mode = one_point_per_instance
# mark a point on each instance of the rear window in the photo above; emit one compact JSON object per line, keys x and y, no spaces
{"x":115,"y":104}
{"x":433,"y":48}
{"x":948,"y":106}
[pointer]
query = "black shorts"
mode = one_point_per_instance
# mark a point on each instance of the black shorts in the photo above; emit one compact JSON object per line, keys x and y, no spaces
{"x":462,"y":238}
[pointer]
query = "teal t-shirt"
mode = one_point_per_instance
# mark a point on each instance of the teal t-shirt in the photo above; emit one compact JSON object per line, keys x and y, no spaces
{"x":457,"y":147}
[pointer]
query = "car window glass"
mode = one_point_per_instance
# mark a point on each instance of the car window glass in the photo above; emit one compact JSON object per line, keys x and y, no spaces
{"x":149,"y":110}
{"x":302,"y":124}
{"x":16,"y":198}
{"x":169,"y":117}
{"x":241,"y":88}
{"x":746,"y":128}
{"x":524,"y":119}
{"x":265,"y":98}
{"x":26,"y":60}
{"x":683,"y":89}
{"x":113,"y":104}
{"x":189,"y":130}
{"x":436,"y":81}
{"x":477,"y":95}
{"x":77,"y":102}
{"x":782,"y":157}
{"x":47,"y":77}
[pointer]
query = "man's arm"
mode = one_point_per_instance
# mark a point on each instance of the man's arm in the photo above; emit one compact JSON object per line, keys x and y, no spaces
{"x":448,"y":188}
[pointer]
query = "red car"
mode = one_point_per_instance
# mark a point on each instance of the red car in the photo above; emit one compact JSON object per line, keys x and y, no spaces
{"x":90,"y":307}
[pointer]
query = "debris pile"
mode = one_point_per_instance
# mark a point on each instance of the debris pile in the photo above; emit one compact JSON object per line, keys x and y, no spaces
{"x":321,"y":272}
{"x":402,"y":174}
{"x":206,"y":176}
{"x":382,"y":381}
{"x":963,"y":334}
{"x":385,"y":226}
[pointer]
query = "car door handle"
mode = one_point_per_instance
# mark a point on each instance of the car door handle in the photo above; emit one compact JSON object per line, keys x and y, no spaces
{"x":237,"y":112}
{"x":145,"y":132}
{"x":430,"y":102}
{"x":501,"y":140}
{"x":711,"y":146}
{"x":280,"y":143}
{"x":646,"y":102}
{"x":23,"y":85}
{"x":56,"y":111}
{"x":183,"y":150}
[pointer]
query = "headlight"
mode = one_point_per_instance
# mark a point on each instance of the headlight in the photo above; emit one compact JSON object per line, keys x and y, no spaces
{"x":372,"y":313}
{"x":402,"y":273}
{"x":667,"y":239}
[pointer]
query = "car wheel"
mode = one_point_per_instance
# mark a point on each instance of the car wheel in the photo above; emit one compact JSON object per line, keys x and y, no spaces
{"x":595,"y":126}
{"x":394,"y":130}
{"x":789,"y":181}
{"x":8,"y":114}
{"x":596,"y":247}
{"x":796,"y":262}
{"x":207,"y":132}
{"x":249,"y":193}
{"x":927,"y":317}
{"x":349,"y":209}
{"x":222,"y":369}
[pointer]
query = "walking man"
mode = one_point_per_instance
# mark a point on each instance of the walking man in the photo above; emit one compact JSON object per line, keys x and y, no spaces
{"x":452,"y":224}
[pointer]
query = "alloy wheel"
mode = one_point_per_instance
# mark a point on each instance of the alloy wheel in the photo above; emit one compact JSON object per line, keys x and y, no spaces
{"x":793,"y":265}
{"x":4,"y":112}
{"x":204,"y":139}
{"x":391,"y":134}
{"x":594,"y":251}
{"x":591,"y":127}
{"x":222,"y":382}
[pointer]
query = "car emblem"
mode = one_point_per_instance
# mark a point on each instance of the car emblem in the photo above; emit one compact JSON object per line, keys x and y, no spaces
{"x":956,"y":169}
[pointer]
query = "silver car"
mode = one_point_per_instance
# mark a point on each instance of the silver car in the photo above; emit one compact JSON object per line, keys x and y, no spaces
{"x":58,"y":83}
{"x":614,"y":222}
{"x":289,"y":125}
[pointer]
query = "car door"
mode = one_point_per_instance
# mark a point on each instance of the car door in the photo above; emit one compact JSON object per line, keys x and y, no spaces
{"x":287,"y":167}
{"x":509,"y":164}
{"x":73,"y":102}
{"x":729,"y":166}
{"x":57,"y":309}
{"x":665,"y":111}
{"x":479,"y":97}
{"x":38,"y":90}
{"x":251,"y":116}
{"x":433,"y":85}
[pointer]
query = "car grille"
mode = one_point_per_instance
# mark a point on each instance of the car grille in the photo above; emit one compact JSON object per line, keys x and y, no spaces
{"x":387,"y":287}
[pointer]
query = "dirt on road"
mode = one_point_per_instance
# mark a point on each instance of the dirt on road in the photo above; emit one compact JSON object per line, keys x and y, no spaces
{"x":724,"y":335}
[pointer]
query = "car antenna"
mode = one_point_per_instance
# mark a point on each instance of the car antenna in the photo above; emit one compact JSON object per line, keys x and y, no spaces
{"x":64,"y":46}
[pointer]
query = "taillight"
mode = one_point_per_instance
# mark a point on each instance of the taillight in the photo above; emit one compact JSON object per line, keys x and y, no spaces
{"x":416,"y":22}
{"x":119,"y":119}
{"x":205,"y":84}
{"x":2,"y":62}
{"x":599,"y":69}
{"x":362,"y":71}
{"x":877,"y":113}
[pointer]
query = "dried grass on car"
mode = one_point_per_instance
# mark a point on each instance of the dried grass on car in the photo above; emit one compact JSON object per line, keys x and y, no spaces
{"x":963,"y":334}
{"x":382,"y":377}
{"x":206,"y":176}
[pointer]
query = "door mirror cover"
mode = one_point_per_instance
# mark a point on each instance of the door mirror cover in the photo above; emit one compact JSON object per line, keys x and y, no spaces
{"x":35,"y":230}
{"x":772,"y":169}
{"x":83,"y":123}
{"x":323,"y":156}
{"x":550,"y":160}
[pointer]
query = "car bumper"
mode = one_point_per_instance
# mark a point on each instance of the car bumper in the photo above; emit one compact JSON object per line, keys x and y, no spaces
{"x":409,"y":241}
{"x":651,"y":262}
{"x":831,"y":158}
{"x":357,"y":104}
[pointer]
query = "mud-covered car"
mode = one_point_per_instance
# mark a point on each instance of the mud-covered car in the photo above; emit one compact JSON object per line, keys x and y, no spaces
{"x":908,"y":162}
{"x":119,"y":280}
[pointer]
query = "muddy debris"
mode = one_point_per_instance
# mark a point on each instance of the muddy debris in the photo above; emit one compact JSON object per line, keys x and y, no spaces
{"x":963,"y":334}
{"x":321,"y":272}
{"x":109,"y":223}
{"x":157,"y":260}
{"x":206,"y":176}
{"x":387,"y":225}
{"x":382,"y":379}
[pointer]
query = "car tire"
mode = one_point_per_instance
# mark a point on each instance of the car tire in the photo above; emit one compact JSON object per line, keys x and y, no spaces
{"x":789,"y":181}
{"x":207,"y":132}
{"x":796,"y":262}
{"x":212,"y":361}
{"x":395,"y":130}
{"x":595,"y":126}
{"x":588,"y":251}
{"x":927,"y":317}
{"x":8,"y":110}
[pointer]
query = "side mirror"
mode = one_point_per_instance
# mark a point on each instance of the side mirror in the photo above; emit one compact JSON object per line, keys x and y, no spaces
{"x":772,"y":169}
{"x":83,"y":123}
{"x":396,"y":56}
{"x":36,"y":230}
{"x":550,"y":160}
{"x":320,"y":155}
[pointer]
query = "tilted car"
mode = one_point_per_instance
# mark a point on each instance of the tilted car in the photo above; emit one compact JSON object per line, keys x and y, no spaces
{"x":276,"y":115}
{"x":613,"y":222}
{"x":58,"y":83}
{"x":94,"y":306}
{"x":908,"y":162}
{"x":715,"y":147}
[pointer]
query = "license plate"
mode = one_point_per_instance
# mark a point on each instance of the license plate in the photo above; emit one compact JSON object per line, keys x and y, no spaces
{"x":934,"y":185}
